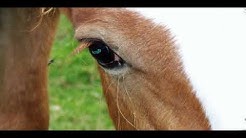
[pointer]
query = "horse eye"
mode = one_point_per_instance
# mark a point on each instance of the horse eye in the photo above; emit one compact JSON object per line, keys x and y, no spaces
{"x":105,"y":57}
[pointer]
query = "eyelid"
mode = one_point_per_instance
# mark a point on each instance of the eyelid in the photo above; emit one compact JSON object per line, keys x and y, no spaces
{"x":91,"y":40}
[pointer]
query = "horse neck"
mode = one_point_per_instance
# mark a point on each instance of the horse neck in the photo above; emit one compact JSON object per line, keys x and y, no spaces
{"x":25,"y":43}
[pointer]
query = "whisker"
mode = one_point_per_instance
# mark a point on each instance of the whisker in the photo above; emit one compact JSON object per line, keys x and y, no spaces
{"x":126,"y":90}
{"x":43,"y":12}
{"x":117,"y":103}
{"x":134,"y":122}
{"x":106,"y":91}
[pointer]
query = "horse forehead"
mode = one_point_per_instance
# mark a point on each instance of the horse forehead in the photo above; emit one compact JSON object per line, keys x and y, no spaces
{"x":212,"y":45}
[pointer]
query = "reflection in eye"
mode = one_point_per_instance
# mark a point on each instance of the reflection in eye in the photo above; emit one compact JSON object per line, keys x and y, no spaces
{"x":106,"y":57}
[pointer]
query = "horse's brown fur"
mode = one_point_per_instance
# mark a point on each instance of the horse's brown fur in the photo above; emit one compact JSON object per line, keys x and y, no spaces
{"x":25,"y":43}
{"x":155,"y":92}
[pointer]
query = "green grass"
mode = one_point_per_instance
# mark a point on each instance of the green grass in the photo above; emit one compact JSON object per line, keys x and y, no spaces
{"x":75,"y":93}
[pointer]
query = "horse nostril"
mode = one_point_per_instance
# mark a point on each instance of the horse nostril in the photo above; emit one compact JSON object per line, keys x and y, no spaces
{"x":106,"y":57}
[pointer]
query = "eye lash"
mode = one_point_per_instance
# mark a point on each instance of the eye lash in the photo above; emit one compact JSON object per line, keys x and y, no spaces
{"x":84,"y":43}
{"x":91,"y":40}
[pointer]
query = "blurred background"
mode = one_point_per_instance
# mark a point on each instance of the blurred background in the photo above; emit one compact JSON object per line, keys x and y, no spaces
{"x":75,"y":94}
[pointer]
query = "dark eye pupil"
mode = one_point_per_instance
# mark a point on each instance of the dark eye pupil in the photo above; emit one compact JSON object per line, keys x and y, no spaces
{"x":105,"y":56}
{"x":101,"y":52}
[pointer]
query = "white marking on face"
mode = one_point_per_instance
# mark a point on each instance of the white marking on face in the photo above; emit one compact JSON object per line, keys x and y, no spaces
{"x":212,"y":43}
